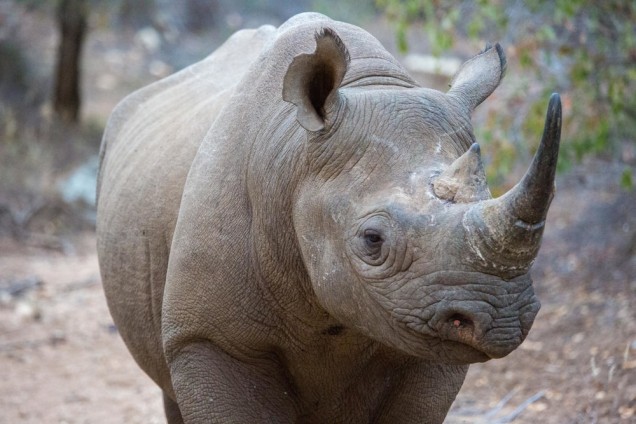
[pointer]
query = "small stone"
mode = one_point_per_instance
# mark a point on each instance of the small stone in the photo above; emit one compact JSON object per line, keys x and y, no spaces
{"x":27,"y":310}
{"x":626,"y":412}
{"x":538,"y":406}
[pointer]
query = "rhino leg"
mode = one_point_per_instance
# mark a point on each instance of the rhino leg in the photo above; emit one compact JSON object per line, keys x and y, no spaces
{"x":424,"y":390}
{"x":212,"y":386}
{"x":173,"y":413}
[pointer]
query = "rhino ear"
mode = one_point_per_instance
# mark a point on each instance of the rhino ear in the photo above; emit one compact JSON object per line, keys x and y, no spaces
{"x":312,"y":80}
{"x":478,"y":77}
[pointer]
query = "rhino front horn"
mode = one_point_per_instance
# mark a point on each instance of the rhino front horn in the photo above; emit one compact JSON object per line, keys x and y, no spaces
{"x":530,"y":199}
{"x":509,"y":229}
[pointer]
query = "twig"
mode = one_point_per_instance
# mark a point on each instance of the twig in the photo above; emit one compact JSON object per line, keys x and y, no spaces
{"x":81,"y":284}
{"x":15,"y":288}
{"x":53,"y":340}
{"x":489,"y":417}
{"x":510,"y":417}
{"x":502,"y":403}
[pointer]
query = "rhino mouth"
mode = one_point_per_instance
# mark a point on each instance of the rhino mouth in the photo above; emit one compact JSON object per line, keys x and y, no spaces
{"x":472,"y":331}
{"x":457,"y":343}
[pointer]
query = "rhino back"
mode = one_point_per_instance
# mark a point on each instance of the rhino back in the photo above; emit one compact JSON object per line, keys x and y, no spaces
{"x":146,"y":152}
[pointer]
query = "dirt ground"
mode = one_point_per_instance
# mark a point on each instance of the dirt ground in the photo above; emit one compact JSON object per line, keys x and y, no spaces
{"x":62,"y":360}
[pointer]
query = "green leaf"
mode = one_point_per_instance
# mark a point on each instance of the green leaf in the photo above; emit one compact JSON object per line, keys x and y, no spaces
{"x":402,"y":43}
{"x":475,"y":27}
{"x":627,"y":181}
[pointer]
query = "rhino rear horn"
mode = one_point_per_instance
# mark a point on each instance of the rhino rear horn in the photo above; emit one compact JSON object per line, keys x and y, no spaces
{"x":478,"y":77}
{"x":464,"y":181}
{"x":312,"y":80}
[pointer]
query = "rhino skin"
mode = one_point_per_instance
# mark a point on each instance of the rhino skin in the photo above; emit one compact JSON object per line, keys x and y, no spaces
{"x":292,"y":230}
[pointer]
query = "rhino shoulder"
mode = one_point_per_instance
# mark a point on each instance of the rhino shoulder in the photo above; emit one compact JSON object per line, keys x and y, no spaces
{"x":199,"y":87}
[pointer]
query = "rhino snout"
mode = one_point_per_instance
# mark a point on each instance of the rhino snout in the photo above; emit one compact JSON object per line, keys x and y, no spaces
{"x":479,"y":325}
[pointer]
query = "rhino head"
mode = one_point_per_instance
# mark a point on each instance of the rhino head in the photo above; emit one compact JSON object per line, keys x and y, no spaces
{"x":400,"y":236}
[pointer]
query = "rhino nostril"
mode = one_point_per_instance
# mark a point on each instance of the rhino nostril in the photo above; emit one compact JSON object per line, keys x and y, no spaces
{"x":459,"y":320}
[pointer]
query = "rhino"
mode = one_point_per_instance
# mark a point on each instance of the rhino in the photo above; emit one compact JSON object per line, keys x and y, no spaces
{"x":293,"y":231}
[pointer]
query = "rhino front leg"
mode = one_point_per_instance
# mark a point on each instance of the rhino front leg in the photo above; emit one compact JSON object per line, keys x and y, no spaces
{"x":173,"y":413}
{"x":424,"y":392}
{"x":213,"y":387}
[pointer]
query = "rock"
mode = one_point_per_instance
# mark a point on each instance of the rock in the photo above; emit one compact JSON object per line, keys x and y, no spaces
{"x":79,"y":186}
{"x":149,"y":38}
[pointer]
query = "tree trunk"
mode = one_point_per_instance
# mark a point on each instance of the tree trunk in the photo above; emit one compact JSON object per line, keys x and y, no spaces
{"x":137,"y":13}
{"x":71,"y":18}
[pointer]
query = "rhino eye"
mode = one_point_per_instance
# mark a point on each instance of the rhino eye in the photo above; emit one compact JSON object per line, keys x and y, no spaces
{"x":373,"y":239}
{"x":373,"y":250}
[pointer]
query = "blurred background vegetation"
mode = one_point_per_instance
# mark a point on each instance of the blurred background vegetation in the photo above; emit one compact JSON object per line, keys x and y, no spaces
{"x":584,"y":49}
{"x":65,"y":63}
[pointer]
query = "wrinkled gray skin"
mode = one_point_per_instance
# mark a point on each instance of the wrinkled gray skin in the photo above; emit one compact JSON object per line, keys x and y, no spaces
{"x":293,"y":231}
